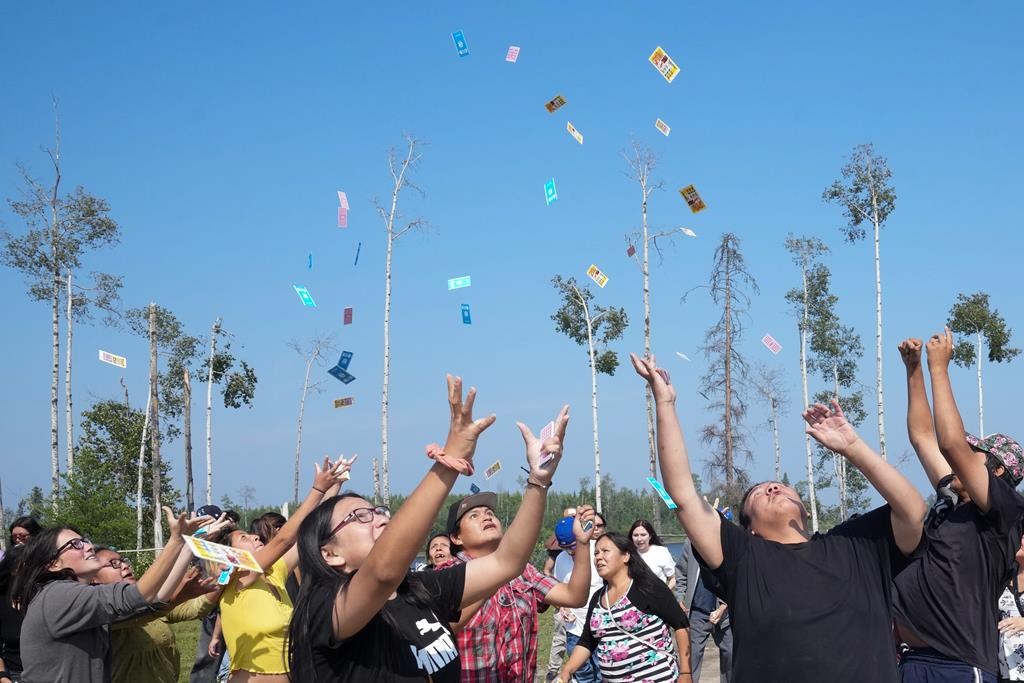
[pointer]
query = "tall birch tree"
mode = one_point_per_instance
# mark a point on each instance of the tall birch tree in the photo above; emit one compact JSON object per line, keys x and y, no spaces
{"x":395,"y":226}
{"x":594,"y":325}
{"x":866,"y":195}
{"x":315,"y":353}
{"x":769,"y":384}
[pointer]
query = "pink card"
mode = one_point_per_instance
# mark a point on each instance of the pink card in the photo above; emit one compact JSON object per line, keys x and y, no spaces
{"x":342,"y":217}
{"x":513,"y":54}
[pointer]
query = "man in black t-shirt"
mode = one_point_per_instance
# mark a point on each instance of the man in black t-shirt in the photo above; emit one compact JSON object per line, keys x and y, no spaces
{"x":946,"y":603}
{"x":805,"y":608}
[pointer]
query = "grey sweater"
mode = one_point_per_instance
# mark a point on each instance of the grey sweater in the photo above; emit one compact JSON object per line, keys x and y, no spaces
{"x":65,"y":637}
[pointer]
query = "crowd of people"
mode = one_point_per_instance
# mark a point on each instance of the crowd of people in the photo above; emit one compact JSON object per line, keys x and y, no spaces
{"x":906,"y":592}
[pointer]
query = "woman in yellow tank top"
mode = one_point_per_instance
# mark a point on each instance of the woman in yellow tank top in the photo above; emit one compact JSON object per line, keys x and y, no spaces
{"x":255,"y":608}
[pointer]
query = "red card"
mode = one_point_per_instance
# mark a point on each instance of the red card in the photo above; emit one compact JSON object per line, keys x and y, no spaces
{"x":348,"y":316}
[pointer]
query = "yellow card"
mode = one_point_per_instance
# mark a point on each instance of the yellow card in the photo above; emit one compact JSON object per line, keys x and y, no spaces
{"x":113,"y":359}
{"x":554,"y":104}
{"x":573,"y":132}
{"x":693,"y":199}
{"x":597,"y":276}
{"x":664,"y":64}
{"x":222,"y":554}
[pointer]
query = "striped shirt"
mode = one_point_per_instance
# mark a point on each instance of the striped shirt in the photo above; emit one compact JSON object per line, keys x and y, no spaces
{"x":632,"y":641}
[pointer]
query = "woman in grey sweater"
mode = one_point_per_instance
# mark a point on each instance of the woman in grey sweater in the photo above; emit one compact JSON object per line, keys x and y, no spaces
{"x":65,"y":637}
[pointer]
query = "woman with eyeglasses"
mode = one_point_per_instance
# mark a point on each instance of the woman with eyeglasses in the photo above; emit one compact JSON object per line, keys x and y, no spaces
{"x":22,"y":529}
{"x":144,"y":648}
{"x":634,"y":625}
{"x":362,"y":615}
{"x":255,"y":608}
{"x":65,"y":637}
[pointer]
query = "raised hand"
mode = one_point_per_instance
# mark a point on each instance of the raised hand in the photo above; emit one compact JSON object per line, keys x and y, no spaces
{"x":910,"y":351}
{"x":343,"y":468}
{"x":552,"y":446}
{"x":463,"y":430}
{"x":193,"y":585}
{"x":327,"y":475}
{"x":218,"y":524}
{"x":829,"y":427}
{"x":940,"y":350}
{"x":584,"y":514}
{"x":185,"y":525}
{"x":658,"y":378}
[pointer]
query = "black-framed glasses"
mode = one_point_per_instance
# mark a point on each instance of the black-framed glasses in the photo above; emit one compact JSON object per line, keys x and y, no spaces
{"x":119,"y":562}
{"x":75,"y":543}
{"x":363,"y":516}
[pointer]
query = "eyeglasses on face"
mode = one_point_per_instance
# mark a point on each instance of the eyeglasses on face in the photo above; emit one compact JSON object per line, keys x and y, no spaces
{"x":363,"y":516}
{"x":119,"y":562}
{"x":75,"y":543}
{"x":21,"y":535}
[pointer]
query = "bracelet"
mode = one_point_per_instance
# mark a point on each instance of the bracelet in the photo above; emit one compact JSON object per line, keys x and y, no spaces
{"x":460,"y":465}
{"x":531,"y":482}
{"x":318,"y":490}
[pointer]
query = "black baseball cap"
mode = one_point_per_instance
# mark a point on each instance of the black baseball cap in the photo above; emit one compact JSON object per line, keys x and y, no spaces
{"x":486,"y":499}
{"x":211,"y":510}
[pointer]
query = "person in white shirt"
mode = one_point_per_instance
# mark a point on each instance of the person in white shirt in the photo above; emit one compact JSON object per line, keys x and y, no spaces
{"x":576,"y":618}
{"x":653,"y":551}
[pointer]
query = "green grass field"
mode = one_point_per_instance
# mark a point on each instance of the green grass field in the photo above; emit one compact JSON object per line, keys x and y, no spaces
{"x":187,"y":634}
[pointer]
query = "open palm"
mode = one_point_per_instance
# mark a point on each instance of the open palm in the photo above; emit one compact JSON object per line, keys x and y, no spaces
{"x":830,"y":427}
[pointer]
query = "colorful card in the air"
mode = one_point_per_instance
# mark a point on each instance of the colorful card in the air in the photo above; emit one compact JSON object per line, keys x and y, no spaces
{"x":474,"y":489}
{"x":344,"y":402}
{"x":550,"y":194}
{"x":341,"y":375}
{"x":773,"y":346}
{"x":342,"y":217}
{"x":303,"y":293}
{"x":573,"y":132}
{"x":513,"y":54}
{"x":693,"y":199}
{"x":346,"y":358}
{"x":664,"y":64}
{"x":113,"y":359}
{"x":663,"y":127}
{"x":660,"y":490}
{"x":342,"y":200}
{"x":597,"y":276}
{"x":460,"y":282}
{"x":492,"y":470}
{"x":467,"y":319}
{"x":460,"y":43}
{"x":631,"y":251}
{"x":348,"y":316}
{"x":223,"y":554}
{"x":555,"y":103}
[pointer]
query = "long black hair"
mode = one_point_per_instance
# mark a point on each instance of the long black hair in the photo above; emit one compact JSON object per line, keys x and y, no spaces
{"x":33,"y":570}
{"x":320,"y":584}
{"x":8,"y":566}
{"x":29,"y":524}
{"x":643,"y":578}
{"x":655,"y":539}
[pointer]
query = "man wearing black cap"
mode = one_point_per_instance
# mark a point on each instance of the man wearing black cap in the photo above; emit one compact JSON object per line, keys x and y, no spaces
{"x":498,"y":643}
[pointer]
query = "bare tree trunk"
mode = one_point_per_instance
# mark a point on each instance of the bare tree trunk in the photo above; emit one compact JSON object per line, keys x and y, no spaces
{"x":878,"y":326}
{"x":839,"y":461}
{"x":386,"y":489}
{"x":298,"y":438}
{"x":68,"y":412}
{"x":154,"y":432}
{"x":142,"y":466}
{"x":209,"y":413}
{"x":730,"y":473}
{"x":811,"y":494}
{"x":376,"y":482}
{"x":775,"y":439}
{"x":981,"y":396}
{"x":648,"y":394}
{"x":593,"y":398}
{"x":127,"y":406}
{"x":187,"y":435}
{"x":54,"y":446}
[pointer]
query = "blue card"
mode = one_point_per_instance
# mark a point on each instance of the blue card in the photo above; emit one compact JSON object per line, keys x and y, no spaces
{"x":340,"y":374}
{"x":459,"y":282}
{"x":466,"y":319}
{"x":550,"y":194}
{"x":663,"y":493}
{"x":346,"y":358}
{"x":473,"y":488}
{"x":460,"y":43}
{"x":311,"y":260}
{"x":358,"y":249}
{"x":303,"y":293}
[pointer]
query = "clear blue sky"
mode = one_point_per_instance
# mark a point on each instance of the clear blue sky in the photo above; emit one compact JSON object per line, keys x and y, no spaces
{"x":219,"y":133}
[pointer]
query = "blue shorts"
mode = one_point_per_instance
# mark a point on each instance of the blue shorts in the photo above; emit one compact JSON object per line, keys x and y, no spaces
{"x":925,"y":665}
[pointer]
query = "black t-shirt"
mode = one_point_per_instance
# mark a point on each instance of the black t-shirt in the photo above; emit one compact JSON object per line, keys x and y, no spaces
{"x":949,"y":597}
{"x":10,"y":634}
{"x":422,"y":645}
{"x":813,"y":611}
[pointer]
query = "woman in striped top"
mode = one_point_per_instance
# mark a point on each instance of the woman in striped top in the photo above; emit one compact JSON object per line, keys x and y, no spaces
{"x":634,"y":624}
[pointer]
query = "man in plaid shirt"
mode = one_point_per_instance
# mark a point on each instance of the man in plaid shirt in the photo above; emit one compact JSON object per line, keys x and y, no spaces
{"x":497,"y":638}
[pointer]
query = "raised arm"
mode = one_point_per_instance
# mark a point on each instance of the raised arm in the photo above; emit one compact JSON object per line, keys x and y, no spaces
{"x":576,"y":591}
{"x":340,"y":472}
{"x":949,"y":427}
{"x":161,"y":579}
{"x":388,"y":562}
{"x":919,"y":416}
{"x":484,"y":575}
{"x":702,"y":524}
{"x":831,"y":429}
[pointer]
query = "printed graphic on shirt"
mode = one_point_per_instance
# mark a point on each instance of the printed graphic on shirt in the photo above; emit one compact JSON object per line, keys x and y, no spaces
{"x":437,"y":654}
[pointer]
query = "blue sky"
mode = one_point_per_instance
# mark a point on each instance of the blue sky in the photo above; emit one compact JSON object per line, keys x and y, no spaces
{"x":219,"y":133}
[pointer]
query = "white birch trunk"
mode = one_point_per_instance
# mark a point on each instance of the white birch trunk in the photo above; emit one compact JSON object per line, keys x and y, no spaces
{"x":376,"y":482}
{"x":775,"y":439}
{"x":811,"y":493}
{"x":385,"y":487}
{"x":593,"y":399}
{"x":142,"y":465}
{"x":54,"y":446}
{"x":68,"y":412}
{"x":209,"y":413}
{"x":190,"y":501}
{"x":727,"y":422}
{"x":878,"y":325}
{"x":154,"y":432}
{"x":981,"y":395}
{"x":648,"y":394}
{"x":298,"y":430}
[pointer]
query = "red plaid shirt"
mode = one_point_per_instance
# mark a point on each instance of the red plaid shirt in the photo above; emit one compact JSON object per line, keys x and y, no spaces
{"x":499,"y":643}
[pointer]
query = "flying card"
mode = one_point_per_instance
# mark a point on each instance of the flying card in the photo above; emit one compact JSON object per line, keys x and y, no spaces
{"x":303,"y":293}
{"x":311,"y":260}
{"x":340,"y":374}
{"x":660,"y":490}
{"x":550,"y":194}
{"x":631,"y":251}
{"x":460,"y":43}
{"x":597,"y":276}
{"x":474,"y":489}
{"x":573,"y":132}
{"x":492,"y":470}
{"x":664,"y":64}
{"x":342,"y":200}
{"x":119,"y":361}
{"x":555,"y":103}
{"x":688,"y":232}
{"x":513,"y":54}
{"x":773,"y":346}
{"x":342,"y":217}
{"x":346,"y":358}
{"x":663,"y":127}
{"x":466,"y":318}
{"x":359,"y":248}
{"x":693,"y":200}
{"x":223,"y":554}
{"x":460,"y":282}
{"x":344,"y":402}
{"x":683,"y":356}
{"x":348,"y":316}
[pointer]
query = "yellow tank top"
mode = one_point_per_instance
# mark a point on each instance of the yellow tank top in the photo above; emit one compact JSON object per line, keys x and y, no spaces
{"x":255,"y":622}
